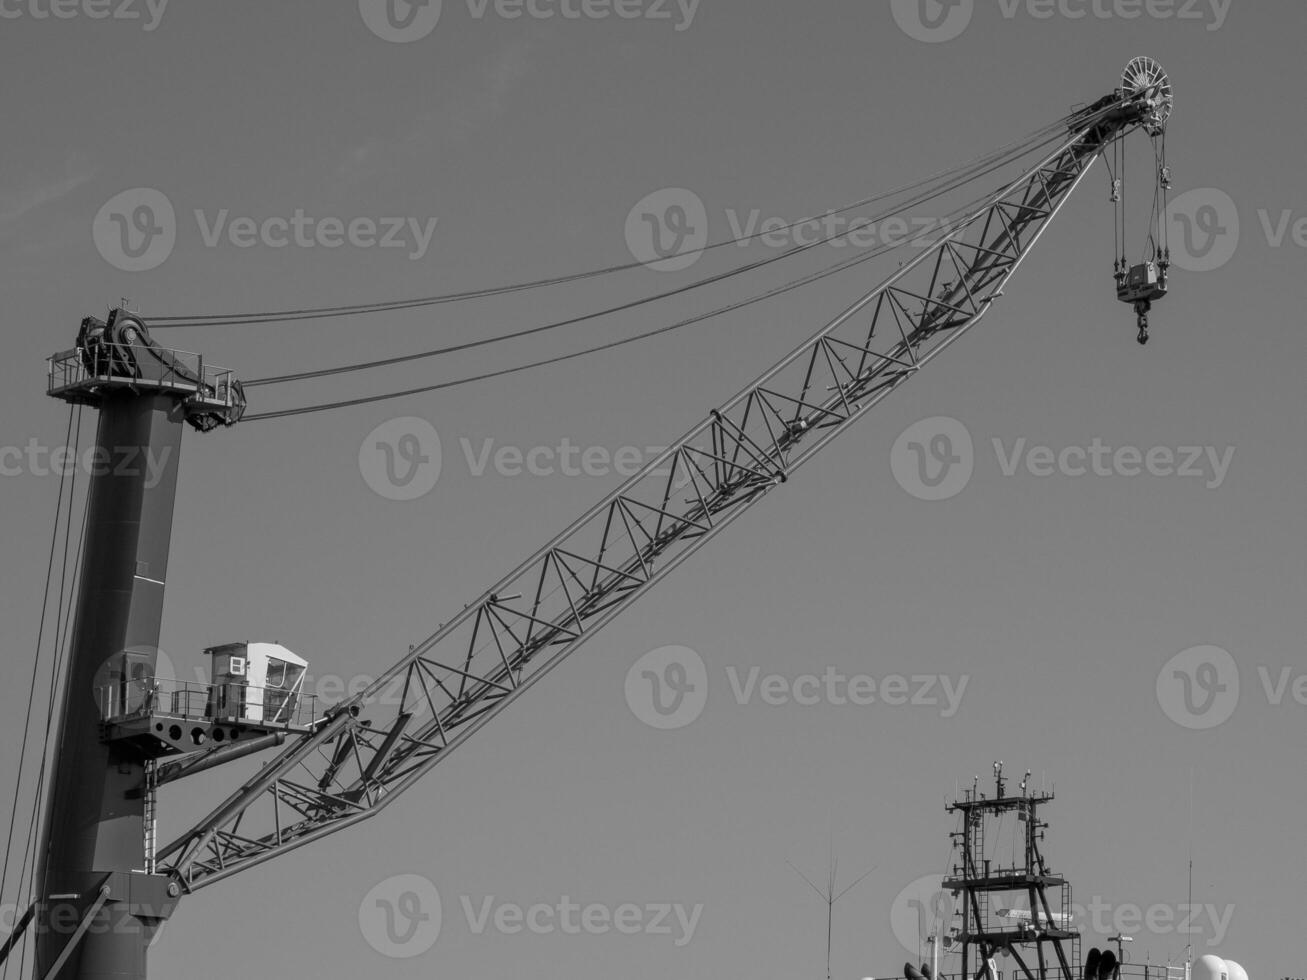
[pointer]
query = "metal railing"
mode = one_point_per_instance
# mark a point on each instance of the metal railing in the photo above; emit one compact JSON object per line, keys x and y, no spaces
{"x":193,"y":701}
{"x":1152,"y":971}
{"x":1129,"y":971}
{"x":159,"y":367}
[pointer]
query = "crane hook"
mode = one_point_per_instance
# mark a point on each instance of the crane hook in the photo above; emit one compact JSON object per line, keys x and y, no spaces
{"x":1142,"y":309}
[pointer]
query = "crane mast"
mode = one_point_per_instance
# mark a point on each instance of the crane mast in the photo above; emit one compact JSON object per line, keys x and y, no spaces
{"x":344,"y":766}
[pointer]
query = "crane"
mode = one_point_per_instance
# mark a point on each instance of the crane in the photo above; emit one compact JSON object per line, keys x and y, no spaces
{"x":105,"y":883}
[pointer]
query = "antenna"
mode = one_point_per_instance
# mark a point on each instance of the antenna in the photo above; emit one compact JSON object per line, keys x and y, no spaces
{"x":1190,"y":910}
{"x":830,"y":896}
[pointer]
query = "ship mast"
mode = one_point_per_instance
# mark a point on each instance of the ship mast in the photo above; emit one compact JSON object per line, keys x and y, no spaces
{"x":1037,"y":937}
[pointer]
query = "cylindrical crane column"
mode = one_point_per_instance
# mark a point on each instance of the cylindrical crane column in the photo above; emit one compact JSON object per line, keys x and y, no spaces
{"x":99,"y":905}
{"x":95,"y":819}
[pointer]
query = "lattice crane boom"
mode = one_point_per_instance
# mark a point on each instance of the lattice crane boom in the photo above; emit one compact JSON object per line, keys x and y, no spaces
{"x":378,"y":744}
{"x":118,"y":741}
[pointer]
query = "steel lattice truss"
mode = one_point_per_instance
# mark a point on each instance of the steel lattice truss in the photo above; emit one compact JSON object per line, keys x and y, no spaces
{"x":377,"y":745}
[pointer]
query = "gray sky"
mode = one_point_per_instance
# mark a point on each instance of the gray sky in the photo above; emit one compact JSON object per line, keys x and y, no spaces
{"x":1058,"y":599}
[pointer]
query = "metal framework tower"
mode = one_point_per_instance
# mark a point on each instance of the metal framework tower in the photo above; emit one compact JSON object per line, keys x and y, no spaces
{"x":100,"y":903}
{"x":990,"y":888}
